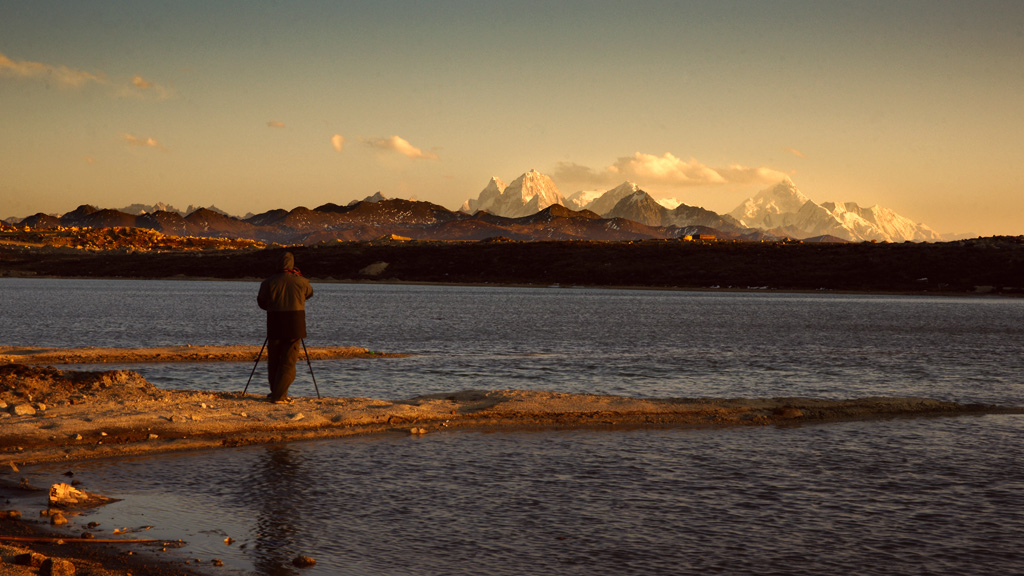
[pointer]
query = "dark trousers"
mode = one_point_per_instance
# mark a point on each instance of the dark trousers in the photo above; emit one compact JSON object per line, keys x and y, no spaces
{"x":281,"y":358}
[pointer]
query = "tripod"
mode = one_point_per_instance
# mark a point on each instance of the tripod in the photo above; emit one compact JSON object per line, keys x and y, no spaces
{"x":258,"y":356}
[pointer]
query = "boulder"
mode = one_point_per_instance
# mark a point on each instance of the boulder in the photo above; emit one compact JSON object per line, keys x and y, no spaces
{"x":67,"y":496}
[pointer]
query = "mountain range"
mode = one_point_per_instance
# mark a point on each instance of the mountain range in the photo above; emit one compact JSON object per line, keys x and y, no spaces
{"x":781,"y":211}
{"x":530,"y":208}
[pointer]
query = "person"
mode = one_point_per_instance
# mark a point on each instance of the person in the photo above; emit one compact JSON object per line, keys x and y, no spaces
{"x":284,"y":296}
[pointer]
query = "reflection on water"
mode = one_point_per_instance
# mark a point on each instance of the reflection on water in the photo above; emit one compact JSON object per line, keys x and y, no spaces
{"x":276,"y":479}
{"x":924,"y":496}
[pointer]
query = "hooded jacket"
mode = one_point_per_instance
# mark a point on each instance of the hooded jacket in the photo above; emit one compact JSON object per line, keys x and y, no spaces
{"x":284,"y":296}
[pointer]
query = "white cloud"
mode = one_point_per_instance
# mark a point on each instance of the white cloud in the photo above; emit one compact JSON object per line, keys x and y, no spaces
{"x":400,"y":145}
{"x":133,"y":140}
{"x":736,"y":174}
{"x":338,"y":141}
{"x":62,"y":75}
{"x":666,"y":170}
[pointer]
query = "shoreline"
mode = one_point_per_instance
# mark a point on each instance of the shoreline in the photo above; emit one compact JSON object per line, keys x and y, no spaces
{"x":981,"y":266}
{"x":541,"y":285}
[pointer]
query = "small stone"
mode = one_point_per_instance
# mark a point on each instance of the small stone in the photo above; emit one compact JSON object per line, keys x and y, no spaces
{"x":58,"y":519}
{"x":10,"y":515}
{"x":229,"y":540}
{"x":103,"y":433}
{"x":216,"y":562}
{"x":303,"y":562}
{"x":40,"y":406}
{"x":152,"y":437}
{"x":297,"y":417}
{"x":87,"y":536}
{"x":77,"y":436}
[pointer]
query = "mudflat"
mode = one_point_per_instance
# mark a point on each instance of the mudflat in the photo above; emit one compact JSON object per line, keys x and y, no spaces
{"x":49,"y":414}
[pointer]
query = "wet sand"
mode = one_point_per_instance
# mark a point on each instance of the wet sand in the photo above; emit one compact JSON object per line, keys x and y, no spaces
{"x":50,"y":415}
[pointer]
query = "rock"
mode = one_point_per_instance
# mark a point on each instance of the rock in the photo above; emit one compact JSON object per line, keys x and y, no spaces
{"x":33,"y":559}
{"x":67,"y":496}
{"x":57,"y":567}
{"x":375,"y":269}
{"x":10,"y":515}
{"x":40,"y":406}
{"x":22,"y":410}
{"x":3,"y":405}
{"x":58,"y":519}
{"x":217,"y":562}
{"x":303,"y":562}
{"x":152,"y":437}
{"x":297,"y":417}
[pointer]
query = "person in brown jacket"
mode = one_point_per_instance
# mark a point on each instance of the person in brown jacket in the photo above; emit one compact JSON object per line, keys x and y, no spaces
{"x":284,"y":296}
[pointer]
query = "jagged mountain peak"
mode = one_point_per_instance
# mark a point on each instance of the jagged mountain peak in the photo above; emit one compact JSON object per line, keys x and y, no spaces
{"x":607,"y":201}
{"x":528,"y":194}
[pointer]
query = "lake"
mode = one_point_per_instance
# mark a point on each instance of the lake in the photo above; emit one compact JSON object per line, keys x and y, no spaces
{"x":939,"y":495}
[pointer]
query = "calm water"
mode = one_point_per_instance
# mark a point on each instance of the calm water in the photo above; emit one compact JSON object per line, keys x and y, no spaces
{"x":939,"y":496}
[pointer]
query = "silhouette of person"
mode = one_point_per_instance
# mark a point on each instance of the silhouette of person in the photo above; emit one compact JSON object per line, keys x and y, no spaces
{"x":284,"y":296}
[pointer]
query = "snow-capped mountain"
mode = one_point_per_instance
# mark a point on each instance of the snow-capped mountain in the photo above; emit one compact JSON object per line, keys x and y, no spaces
{"x":579,"y":200}
{"x":785,"y":210}
{"x":604,"y":203}
{"x":488,"y":196}
{"x":526,"y":195}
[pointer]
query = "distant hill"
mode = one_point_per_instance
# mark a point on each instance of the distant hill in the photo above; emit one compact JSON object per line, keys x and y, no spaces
{"x":377,"y":217}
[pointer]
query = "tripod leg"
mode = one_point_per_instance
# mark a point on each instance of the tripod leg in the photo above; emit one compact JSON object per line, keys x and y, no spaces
{"x":308,"y":363}
{"x":258,"y":356}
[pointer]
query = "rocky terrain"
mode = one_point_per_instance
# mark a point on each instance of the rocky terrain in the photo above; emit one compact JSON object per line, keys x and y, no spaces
{"x":983,"y":265}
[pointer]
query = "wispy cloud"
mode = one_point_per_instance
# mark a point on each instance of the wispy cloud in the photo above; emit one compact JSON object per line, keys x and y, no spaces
{"x":133,"y":140}
{"x":666,"y":169}
{"x":795,"y":152}
{"x":140,"y":87}
{"x":275,"y":124}
{"x":400,"y":145}
{"x":62,"y":75}
{"x":338,"y":141}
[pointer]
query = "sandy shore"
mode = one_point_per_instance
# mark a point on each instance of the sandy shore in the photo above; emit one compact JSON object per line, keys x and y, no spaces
{"x":48,"y":414}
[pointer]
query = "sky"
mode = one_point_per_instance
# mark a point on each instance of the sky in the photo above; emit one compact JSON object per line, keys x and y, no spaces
{"x":255,"y":105}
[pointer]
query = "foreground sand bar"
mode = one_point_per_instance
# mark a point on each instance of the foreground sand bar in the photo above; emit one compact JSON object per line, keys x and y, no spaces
{"x":48,"y":414}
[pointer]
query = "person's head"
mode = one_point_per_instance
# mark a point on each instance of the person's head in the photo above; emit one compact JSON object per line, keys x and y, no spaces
{"x":287,"y":261}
